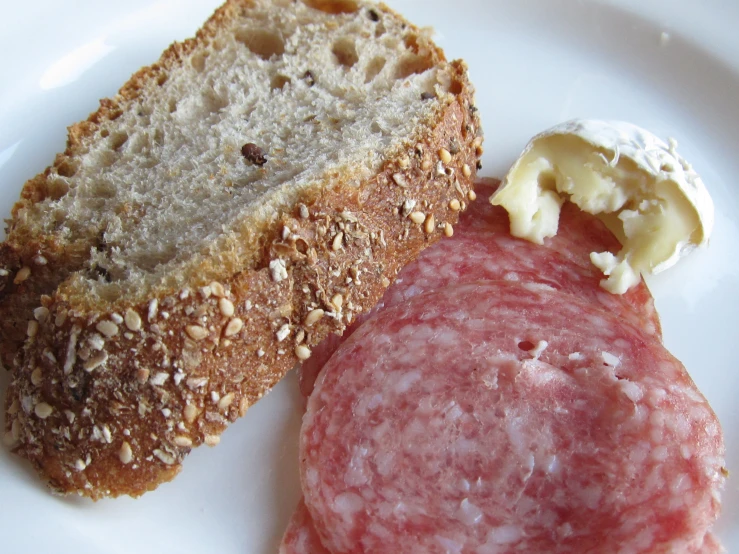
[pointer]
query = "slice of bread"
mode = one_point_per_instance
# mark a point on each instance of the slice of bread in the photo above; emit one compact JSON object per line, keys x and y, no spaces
{"x":236,"y":202}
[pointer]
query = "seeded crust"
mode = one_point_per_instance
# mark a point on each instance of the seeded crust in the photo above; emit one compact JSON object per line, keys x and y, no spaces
{"x":107,"y":398}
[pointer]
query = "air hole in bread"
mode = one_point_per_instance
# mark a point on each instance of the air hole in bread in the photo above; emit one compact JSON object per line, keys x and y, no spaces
{"x":411,"y":64}
{"x":118,"y":140}
{"x":104,"y":133}
{"x":262,"y":42}
{"x":526,"y":345}
{"x":56,"y":188}
{"x":375,"y":128}
{"x":172,"y":105}
{"x":198,"y":62}
{"x":214,"y":102}
{"x":333,"y":6}
{"x":374,"y":67}
{"x":345,"y":51}
{"x":66,"y":168}
{"x":102,"y":189}
{"x":279,"y":81}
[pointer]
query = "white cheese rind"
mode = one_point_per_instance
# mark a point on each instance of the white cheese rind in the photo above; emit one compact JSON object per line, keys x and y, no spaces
{"x":644,"y":191}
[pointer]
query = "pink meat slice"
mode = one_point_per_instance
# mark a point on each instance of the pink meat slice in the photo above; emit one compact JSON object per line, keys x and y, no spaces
{"x":300,"y":536}
{"x":502,"y":418}
{"x":483,"y":249}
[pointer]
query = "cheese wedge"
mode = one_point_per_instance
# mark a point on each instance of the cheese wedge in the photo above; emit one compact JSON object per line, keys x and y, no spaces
{"x":638,"y":185}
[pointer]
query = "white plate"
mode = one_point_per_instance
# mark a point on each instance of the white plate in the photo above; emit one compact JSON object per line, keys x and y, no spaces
{"x":670,"y":67}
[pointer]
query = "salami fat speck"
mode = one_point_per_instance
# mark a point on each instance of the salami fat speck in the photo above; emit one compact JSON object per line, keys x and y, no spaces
{"x":507,"y":417}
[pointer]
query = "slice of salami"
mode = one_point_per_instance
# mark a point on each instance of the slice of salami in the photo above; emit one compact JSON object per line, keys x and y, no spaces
{"x":497,"y":417}
{"x":300,"y":536}
{"x":563,"y":261}
{"x":483,"y":249}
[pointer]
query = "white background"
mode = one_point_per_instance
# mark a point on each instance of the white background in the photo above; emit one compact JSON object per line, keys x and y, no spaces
{"x":672,"y":67}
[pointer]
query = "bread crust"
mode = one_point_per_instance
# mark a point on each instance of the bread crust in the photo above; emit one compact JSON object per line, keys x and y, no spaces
{"x":108,"y":399}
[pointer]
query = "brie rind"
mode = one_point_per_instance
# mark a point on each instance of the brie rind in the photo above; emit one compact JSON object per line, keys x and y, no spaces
{"x":646,"y":194}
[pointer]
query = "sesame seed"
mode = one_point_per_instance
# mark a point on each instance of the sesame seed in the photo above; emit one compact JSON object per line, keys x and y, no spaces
{"x":158,"y":379}
{"x":41,"y":314}
{"x":40,"y":260}
{"x":472,"y":195}
{"x":164,"y":457}
{"x":477,"y":142}
{"x":337,"y":301}
{"x":190,"y":413}
{"x":404,"y":162}
{"x":182,"y":441}
{"x":466,"y":171}
{"x":278,"y":270}
{"x":417,"y":217}
{"x":212,"y":440}
{"x":80,"y":465}
{"x":385,"y":281}
{"x":408,"y":206}
{"x":107,"y":328}
{"x":36,"y":378}
{"x":226,"y":307}
{"x":454,"y":205}
{"x":125,"y":454}
{"x":226,"y":401}
{"x":142,"y":375}
{"x":23,"y":274}
{"x":95,"y":361}
{"x":426,"y":164}
{"x":13,"y":409}
{"x":107,"y":435}
{"x":96,"y":342}
{"x":400,"y":180}
{"x":194,"y":383}
{"x":43,"y":410}
{"x":283,"y":332}
{"x":338,"y":241}
{"x":217,"y":289}
{"x":260,"y":353}
{"x":304,"y":211}
{"x":233,"y":327}
{"x":132,"y":320}
{"x":196,"y":332}
{"x":243,"y":405}
{"x":166,"y":412}
{"x":153,"y":307}
{"x":117,"y":319}
{"x":300,"y":337}
{"x":32,"y":328}
{"x":206,"y":291}
{"x":302,"y":352}
{"x":313,"y":316}
{"x":448,"y":230}
{"x":445,"y":156}
{"x":428,"y":226}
